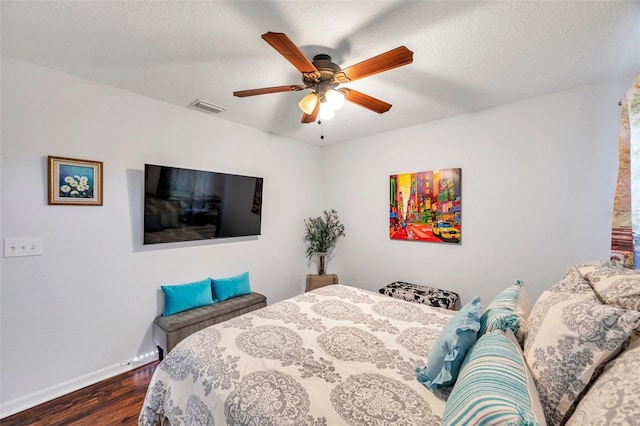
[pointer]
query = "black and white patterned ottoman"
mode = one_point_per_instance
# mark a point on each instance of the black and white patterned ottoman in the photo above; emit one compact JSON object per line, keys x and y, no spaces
{"x":421,"y":294}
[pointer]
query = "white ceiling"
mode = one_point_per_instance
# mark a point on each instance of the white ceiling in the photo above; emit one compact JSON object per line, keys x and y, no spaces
{"x":468,"y":55}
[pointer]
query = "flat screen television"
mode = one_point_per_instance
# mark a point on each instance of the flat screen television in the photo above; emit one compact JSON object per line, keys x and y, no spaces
{"x":190,"y":205}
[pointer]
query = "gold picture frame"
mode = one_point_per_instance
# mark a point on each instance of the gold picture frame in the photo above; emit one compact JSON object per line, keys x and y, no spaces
{"x":74,"y":182}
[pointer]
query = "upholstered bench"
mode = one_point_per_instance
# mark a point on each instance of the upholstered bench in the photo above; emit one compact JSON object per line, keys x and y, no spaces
{"x":169,"y":330}
{"x":422,"y":294}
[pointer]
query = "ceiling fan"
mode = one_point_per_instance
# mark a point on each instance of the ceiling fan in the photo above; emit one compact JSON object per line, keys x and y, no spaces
{"x":323,"y":78}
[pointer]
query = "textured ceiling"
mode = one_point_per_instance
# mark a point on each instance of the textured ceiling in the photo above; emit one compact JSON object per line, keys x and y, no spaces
{"x":468,"y":55}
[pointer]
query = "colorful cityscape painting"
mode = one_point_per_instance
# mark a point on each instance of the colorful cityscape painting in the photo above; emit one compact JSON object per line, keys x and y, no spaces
{"x":425,"y":206}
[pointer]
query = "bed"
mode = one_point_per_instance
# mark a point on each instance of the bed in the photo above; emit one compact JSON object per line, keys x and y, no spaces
{"x":344,"y":356}
{"x":335,"y":355}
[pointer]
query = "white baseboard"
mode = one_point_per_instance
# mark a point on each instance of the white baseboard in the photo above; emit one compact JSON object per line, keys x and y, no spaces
{"x":36,"y":398}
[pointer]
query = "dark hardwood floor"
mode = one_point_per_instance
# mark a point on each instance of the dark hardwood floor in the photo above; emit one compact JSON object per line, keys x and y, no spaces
{"x":115,"y":401}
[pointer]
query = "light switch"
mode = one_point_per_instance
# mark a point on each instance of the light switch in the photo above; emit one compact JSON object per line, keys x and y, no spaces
{"x":17,"y":247}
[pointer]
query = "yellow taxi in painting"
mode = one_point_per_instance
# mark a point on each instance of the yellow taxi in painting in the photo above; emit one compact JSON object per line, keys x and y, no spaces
{"x":445,"y":231}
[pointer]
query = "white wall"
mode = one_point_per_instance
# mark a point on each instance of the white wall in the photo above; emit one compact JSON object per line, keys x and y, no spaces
{"x":88,"y":302}
{"x":538,"y":179}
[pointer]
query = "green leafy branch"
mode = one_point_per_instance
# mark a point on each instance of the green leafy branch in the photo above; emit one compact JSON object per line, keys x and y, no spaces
{"x":322,"y":233}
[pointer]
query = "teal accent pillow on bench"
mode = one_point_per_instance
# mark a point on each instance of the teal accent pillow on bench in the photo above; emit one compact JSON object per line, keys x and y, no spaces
{"x":226,"y":288}
{"x":182,"y":297}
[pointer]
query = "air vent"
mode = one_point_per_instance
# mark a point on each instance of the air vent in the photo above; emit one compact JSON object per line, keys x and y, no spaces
{"x":207,"y":106}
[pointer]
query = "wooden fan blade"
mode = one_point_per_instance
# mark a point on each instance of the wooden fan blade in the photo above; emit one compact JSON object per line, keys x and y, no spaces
{"x":266,"y":90}
{"x":365,"y":101}
{"x":310,"y":118}
{"x":290,"y":51}
{"x":392,"y":59}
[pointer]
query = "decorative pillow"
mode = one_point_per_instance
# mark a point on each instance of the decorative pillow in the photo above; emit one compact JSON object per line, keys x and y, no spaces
{"x":182,"y":297}
{"x":613,"y":284}
{"x":494,"y":386}
{"x":504,"y":312}
{"x":613,"y":398}
{"x":421,"y":294}
{"x":571,"y":336}
{"x":523,"y":309}
{"x":573,"y":282}
{"x":226,"y":288}
{"x":451,"y":347}
{"x":588,"y":267}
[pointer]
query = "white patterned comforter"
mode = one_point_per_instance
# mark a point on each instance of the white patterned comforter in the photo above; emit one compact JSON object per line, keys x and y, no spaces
{"x":335,"y":356}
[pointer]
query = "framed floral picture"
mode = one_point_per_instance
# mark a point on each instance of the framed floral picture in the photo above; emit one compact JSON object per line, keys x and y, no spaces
{"x":75,"y":182}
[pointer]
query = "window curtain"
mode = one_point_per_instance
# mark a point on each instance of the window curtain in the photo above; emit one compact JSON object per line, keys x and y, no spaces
{"x":625,"y":232}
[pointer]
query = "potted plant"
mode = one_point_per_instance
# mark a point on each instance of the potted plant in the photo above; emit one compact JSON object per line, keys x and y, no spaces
{"x":321,"y":235}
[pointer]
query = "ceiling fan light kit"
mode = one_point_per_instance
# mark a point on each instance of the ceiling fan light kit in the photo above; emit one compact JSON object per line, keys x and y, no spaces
{"x":323,"y":77}
{"x":326,"y":112}
{"x":334,"y":98}
{"x":308,"y":103}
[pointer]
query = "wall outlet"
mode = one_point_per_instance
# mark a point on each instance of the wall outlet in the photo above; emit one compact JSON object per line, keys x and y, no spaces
{"x":17,"y":247}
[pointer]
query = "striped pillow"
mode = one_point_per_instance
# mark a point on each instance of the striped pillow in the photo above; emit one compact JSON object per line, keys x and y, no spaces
{"x":494,"y":386}
{"x":503,"y":312}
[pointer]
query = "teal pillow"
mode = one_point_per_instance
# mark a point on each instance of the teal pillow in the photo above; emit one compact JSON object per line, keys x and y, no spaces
{"x":494,"y":386}
{"x":451,"y":347}
{"x":226,"y":288}
{"x":182,"y":297}
{"x":502,"y":313}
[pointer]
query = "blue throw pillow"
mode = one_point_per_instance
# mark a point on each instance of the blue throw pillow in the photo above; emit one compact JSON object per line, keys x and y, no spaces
{"x":451,"y":347}
{"x":182,"y":297}
{"x":226,"y":288}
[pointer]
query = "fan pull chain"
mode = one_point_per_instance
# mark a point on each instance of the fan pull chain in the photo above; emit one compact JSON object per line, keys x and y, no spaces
{"x":321,"y":129}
